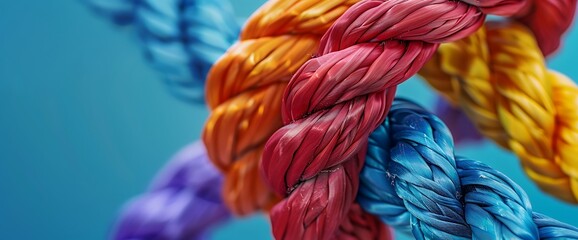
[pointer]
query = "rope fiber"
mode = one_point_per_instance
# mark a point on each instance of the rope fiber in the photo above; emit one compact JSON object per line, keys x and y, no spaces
{"x":498,"y":77}
{"x":412,"y":179}
{"x":335,"y":100}
{"x":244,"y":90}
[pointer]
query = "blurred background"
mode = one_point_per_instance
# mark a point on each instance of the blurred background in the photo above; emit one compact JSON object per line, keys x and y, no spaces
{"x":85,"y":123}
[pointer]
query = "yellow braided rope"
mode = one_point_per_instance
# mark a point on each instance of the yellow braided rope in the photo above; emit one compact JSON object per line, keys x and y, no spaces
{"x":498,"y":77}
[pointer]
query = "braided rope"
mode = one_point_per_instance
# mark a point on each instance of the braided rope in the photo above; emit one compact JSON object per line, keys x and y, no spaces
{"x":180,"y":38}
{"x":548,"y":20}
{"x":337,"y":99}
{"x":183,"y":202}
{"x":499,"y":78}
{"x":412,"y":179}
{"x":244,"y":91}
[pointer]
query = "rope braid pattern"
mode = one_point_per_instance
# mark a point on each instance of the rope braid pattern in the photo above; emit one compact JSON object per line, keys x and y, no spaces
{"x":499,"y":78}
{"x":183,"y":202}
{"x":548,"y":20}
{"x":411,"y":178}
{"x":244,"y":90}
{"x":337,"y":99}
{"x":180,"y":38}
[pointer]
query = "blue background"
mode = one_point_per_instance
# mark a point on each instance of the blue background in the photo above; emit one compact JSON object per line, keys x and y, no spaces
{"x":85,"y":123}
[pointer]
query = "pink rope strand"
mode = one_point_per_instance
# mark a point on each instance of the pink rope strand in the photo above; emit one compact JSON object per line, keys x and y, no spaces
{"x":337,"y":99}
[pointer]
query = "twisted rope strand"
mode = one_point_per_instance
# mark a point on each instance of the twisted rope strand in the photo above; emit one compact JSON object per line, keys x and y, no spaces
{"x":412,"y":179}
{"x":499,"y":78}
{"x":244,"y":91}
{"x":180,"y":38}
{"x":548,"y":20}
{"x":337,"y":99}
{"x":182,"y":203}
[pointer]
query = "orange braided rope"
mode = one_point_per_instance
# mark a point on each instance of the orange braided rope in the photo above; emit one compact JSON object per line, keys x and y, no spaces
{"x":499,"y":78}
{"x":244,"y":90}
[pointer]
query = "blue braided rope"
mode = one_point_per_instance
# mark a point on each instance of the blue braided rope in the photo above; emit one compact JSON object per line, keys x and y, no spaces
{"x":180,"y":38}
{"x":413,"y":181}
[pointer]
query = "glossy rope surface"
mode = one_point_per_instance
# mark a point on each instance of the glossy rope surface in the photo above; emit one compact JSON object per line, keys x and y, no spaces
{"x":244,"y":90}
{"x":412,"y":179}
{"x":549,"y":20}
{"x":499,"y":78}
{"x":337,"y":99}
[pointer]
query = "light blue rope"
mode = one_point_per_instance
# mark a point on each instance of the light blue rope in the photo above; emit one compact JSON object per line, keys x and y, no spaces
{"x":180,"y":38}
{"x":413,"y":181}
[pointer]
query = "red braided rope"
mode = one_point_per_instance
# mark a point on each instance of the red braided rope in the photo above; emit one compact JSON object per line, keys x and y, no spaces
{"x":337,"y":99}
{"x":550,"y":22}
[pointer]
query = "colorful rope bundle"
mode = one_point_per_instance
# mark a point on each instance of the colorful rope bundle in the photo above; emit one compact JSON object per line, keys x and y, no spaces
{"x":548,"y":20}
{"x":180,"y":38}
{"x":331,"y":106}
{"x":412,"y":178}
{"x":499,"y":78}
{"x":337,"y":99}
{"x":183,"y":202}
{"x":244,"y":91}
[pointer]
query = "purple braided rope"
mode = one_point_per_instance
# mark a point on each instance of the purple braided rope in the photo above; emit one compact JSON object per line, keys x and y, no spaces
{"x":462,"y":129}
{"x":183,"y":202}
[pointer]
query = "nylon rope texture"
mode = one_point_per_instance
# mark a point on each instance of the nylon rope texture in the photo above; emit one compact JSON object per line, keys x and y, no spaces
{"x":548,"y":20}
{"x":180,"y":38}
{"x":244,"y":90}
{"x":338,"y":98}
{"x":498,"y":77}
{"x":411,"y":179}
